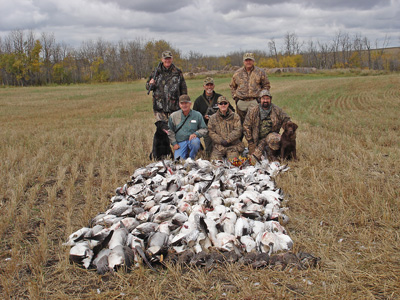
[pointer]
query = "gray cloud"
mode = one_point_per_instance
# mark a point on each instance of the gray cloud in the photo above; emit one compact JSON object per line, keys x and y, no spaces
{"x":159,"y":6}
{"x":206,"y":26}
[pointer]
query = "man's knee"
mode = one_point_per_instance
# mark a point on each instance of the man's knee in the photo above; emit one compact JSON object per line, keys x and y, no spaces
{"x":195,"y":143}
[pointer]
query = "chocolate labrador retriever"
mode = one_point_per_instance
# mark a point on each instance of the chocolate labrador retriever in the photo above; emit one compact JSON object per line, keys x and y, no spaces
{"x":288,"y":141}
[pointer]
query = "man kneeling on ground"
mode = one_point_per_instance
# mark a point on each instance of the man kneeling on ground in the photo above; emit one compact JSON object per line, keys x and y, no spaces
{"x":225,"y":130}
{"x":186,"y":127}
{"x":262,"y":125}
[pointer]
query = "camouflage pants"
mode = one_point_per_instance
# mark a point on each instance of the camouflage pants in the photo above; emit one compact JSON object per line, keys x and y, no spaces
{"x":161,"y":116}
{"x":209,"y":145}
{"x":230,"y":153}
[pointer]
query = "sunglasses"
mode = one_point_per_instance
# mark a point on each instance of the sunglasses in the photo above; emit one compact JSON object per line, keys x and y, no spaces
{"x":223,"y":103}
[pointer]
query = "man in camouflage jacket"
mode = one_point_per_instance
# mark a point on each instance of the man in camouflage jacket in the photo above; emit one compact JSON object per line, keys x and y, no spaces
{"x":246,"y":85}
{"x":225,"y":130}
{"x":167,"y":86}
{"x":262,"y":125}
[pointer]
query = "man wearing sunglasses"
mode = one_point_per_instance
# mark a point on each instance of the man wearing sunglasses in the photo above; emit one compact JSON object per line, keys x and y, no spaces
{"x":225,"y":130}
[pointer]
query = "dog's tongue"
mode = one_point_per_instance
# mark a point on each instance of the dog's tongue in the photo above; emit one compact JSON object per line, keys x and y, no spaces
{"x":166,"y":131}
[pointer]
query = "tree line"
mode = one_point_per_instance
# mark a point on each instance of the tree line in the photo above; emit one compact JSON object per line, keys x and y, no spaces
{"x":28,"y":59}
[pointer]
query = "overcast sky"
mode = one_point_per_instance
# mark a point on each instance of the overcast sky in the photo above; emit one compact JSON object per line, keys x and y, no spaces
{"x":211,"y":27}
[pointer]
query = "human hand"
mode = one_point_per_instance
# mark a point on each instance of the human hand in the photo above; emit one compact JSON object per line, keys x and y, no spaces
{"x":151,"y":81}
{"x":176,"y":146}
{"x":224,"y":143}
{"x":192,"y":136}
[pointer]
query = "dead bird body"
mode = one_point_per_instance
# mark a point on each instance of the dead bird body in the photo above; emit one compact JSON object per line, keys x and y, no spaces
{"x":188,"y":208}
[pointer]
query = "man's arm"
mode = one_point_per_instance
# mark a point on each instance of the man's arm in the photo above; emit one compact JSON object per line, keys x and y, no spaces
{"x":247,"y":128}
{"x":237,"y":132}
{"x":182,"y":86}
{"x":171,"y":132}
{"x":202,"y":128}
{"x":233,"y":85}
{"x":264,"y":81}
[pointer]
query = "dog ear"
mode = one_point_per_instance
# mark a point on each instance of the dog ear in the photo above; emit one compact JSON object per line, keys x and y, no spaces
{"x":295,"y":126}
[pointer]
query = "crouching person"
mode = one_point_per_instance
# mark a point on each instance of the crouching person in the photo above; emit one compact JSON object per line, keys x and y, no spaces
{"x":261,"y":127}
{"x":225,"y":130}
{"x":186,"y":127}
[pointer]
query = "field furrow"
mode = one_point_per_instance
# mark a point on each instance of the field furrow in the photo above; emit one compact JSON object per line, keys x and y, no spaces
{"x":66,"y":149}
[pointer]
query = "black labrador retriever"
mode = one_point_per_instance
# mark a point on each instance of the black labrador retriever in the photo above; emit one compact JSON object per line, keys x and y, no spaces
{"x":161,"y":146}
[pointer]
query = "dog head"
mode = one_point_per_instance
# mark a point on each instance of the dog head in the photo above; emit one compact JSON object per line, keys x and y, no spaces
{"x":162,"y":127}
{"x":290,"y":127}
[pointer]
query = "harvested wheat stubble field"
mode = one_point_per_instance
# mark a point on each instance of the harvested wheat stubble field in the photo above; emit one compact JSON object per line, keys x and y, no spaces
{"x":65,"y":149}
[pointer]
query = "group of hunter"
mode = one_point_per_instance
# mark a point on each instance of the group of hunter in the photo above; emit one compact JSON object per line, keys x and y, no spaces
{"x":213,"y":118}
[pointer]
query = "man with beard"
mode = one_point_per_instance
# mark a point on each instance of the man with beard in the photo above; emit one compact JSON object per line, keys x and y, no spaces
{"x":167,"y":84}
{"x":262,"y":125}
{"x":206,"y":104}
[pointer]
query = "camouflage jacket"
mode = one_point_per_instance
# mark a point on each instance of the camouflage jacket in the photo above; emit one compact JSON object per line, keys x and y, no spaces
{"x":226,"y":128}
{"x":251,"y":125}
{"x":246,"y":85}
{"x":169,"y":85}
{"x":203,"y":106}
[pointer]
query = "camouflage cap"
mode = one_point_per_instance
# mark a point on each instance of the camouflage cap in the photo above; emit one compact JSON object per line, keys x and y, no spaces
{"x":184,"y":99}
{"x":265,"y":93}
{"x":208,"y":80}
{"x":222,"y":99}
{"x":248,"y":56}
{"x":274,"y":140}
{"x":166,"y":54}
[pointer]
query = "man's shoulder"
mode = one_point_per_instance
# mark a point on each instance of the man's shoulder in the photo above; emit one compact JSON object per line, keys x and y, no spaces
{"x":175,"y":114}
{"x":176,"y":69}
{"x":240,"y":70}
{"x":259,"y":70}
{"x":196,"y":114}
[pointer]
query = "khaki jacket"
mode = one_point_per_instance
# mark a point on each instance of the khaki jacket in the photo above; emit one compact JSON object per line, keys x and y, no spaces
{"x":228,"y":129}
{"x":248,"y":85}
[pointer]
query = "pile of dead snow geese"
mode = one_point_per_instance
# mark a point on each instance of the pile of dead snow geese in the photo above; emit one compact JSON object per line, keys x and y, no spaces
{"x":197,"y":213}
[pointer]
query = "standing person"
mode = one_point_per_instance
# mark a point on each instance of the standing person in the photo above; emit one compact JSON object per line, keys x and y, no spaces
{"x":206,"y":104}
{"x":246,"y":85}
{"x":186,"y":127}
{"x":262,"y":125}
{"x":167,"y":84}
{"x":225,"y":130}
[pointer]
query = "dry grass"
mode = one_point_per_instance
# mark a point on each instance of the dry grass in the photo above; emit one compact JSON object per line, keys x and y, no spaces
{"x":65,"y":149}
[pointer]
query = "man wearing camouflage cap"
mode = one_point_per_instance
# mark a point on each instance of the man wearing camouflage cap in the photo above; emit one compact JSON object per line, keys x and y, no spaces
{"x":246,"y":85}
{"x":167,"y":84}
{"x":206,"y":104}
{"x":225,"y":131}
{"x":262,"y":125}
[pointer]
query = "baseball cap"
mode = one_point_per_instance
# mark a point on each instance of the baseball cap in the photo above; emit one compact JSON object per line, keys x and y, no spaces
{"x":208,"y":80}
{"x":249,"y":56}
{"x":184,"y":99}
{"x":166,"y":54}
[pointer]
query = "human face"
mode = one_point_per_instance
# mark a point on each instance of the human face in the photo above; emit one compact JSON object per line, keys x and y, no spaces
{"x":185,"y":106}
{"x":167,"y":62}
{"x":248,"y":63}
{"x":265,"y":101}
{"x":209,"y":88}
{"x":223,"y":107}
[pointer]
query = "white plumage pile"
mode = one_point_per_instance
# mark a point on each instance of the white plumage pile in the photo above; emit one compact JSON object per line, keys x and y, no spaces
{"x":196,"y":212}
